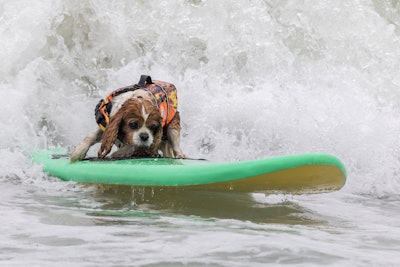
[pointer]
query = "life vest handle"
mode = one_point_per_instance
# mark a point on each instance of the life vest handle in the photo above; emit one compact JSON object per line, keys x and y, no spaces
{"x":144,"y":79}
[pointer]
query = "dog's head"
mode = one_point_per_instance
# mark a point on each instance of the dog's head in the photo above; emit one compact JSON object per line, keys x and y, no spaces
{"x":137,"y":123}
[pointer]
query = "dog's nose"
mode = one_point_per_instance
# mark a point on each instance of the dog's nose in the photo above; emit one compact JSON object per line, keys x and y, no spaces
{"x":144,"y":136}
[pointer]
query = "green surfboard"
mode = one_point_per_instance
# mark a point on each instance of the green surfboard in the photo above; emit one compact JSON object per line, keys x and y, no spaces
{"x":296,"y":174}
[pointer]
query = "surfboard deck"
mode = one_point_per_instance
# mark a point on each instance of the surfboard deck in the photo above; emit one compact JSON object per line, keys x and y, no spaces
{"x":296,"y":174}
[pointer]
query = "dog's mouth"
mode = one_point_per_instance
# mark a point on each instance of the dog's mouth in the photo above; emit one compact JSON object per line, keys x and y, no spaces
{"x":143,"y":144}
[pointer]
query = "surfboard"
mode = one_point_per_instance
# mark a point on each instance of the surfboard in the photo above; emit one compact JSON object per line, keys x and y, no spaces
{"x":295,"y":174}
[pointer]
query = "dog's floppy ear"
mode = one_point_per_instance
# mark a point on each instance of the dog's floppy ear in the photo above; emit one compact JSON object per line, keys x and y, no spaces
{"x":110,"y":134}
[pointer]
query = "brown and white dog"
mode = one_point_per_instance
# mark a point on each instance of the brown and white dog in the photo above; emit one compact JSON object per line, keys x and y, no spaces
{"x":139,"y":122}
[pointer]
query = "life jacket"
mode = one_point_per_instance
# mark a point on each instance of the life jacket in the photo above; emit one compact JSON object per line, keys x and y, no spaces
{"x":164,"y":94}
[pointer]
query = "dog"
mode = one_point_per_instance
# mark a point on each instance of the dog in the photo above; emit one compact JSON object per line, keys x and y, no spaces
{"x":140,"y":120}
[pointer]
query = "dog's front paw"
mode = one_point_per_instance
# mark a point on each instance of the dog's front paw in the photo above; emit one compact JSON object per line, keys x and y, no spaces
{"x":181,"y":156}
{"x":79,"y":152}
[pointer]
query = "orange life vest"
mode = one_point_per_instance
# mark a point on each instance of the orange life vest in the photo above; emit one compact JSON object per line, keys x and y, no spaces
{"x":164,"y":94}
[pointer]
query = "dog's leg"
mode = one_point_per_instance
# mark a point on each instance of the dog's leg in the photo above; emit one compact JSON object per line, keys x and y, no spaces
{"x":174,"y":136}
{"x":81,"y":149}
{"x":166,"y":149}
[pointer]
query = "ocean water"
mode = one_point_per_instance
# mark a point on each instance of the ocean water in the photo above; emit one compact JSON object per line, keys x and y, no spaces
{"x":255,"y":79}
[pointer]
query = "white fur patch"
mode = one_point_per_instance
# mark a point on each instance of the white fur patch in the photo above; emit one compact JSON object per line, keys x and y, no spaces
{"x":118,"y":101}
{"x":144,"y":114}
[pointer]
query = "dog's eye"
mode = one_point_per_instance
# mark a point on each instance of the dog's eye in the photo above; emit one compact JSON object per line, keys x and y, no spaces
{"x":133,"y":125}
{"x":153,"y":128}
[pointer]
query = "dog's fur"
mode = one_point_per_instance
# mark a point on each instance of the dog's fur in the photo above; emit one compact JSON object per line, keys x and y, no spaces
{"x":136,"y":128}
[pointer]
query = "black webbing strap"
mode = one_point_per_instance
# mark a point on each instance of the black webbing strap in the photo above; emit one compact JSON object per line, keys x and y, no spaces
{"x":144,"y":79}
